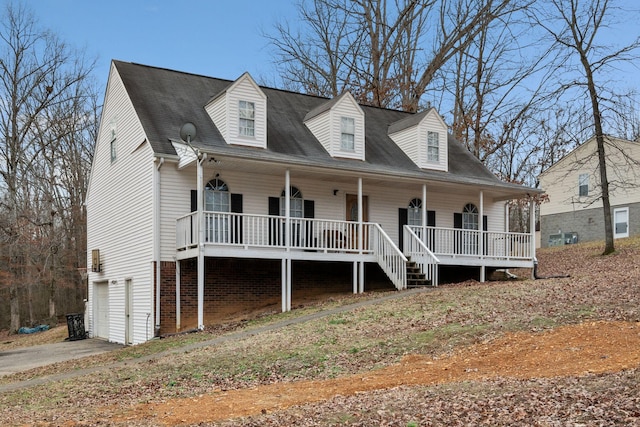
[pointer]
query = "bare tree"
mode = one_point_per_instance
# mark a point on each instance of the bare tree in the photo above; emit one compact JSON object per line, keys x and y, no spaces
{"x":38,"y":72}
{"x":386,"y":53}
{"x":496,"y":84}
{"x":575,"y":25}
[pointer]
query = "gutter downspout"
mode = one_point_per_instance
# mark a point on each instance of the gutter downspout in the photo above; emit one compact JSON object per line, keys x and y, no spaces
{"x":156,"y":239}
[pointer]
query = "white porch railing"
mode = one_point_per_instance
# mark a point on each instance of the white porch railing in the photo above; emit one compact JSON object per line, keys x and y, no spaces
{"x":319,"y":235}
{"x":418,"y":252}
{"x":265,"y":231}
{"x":389,"y":257}
{"x":456,"y":242}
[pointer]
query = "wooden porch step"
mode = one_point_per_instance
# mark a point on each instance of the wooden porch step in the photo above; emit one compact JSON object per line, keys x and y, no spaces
{"x":416,"y":279}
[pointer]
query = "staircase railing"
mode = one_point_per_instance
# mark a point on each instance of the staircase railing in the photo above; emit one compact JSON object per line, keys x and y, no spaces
{"x":389,"y":257}
{"x":419,"y":253}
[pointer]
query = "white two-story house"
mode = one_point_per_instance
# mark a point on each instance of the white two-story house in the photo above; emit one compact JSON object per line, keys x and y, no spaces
{"x":209,"y":197}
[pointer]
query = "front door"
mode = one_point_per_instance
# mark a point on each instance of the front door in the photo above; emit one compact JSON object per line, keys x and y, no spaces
{"x":352,"y":208}
{"x":352,"y":216}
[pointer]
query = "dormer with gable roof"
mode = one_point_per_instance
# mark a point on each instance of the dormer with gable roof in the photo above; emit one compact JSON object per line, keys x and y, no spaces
{"x":240,"y":113}
{"x":423,"y":137}
{"x":339,"y":126}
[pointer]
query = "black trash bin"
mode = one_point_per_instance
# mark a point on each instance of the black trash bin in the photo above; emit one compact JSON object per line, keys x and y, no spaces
{"x":75,"y":324}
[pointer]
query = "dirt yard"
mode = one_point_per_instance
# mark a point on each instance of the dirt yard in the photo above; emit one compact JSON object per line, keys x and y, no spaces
{"x":584,"y":349}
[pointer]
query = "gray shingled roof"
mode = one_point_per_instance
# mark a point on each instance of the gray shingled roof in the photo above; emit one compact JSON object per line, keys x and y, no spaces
{"x":165,"y":99}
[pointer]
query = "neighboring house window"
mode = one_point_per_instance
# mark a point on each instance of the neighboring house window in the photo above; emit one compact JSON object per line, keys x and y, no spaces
{"x":583,"y":184}
{"x":433,"y":146}
{"x":621,"y":222}
{"x":247,"y":115}
{"x":296,"y":203}
{"x":470,"y":217}
{"x":217,"y":197}
{"x":113,"y":145}
{"x":414,"y":212}
{"x":347,"y":133}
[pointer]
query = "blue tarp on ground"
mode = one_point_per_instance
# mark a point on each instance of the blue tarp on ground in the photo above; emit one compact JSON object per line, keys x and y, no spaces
{"x":39,"y":328}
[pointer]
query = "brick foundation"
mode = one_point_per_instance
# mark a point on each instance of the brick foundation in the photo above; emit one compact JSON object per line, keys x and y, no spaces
{"x":234,"y":286}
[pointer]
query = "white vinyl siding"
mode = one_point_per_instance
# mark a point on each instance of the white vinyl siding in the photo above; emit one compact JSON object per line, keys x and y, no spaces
{"x":120,"y":215}
{"x":420,"y":147}
{"x":384,"y":201}
{"x":217,"y":110}
{"x":320,"y":127}
{"x":224,"y":111}
{"x":328,"y":128}
{"x":561,"y":181}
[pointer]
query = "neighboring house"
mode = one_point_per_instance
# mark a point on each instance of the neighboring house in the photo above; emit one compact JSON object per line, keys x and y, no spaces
{"x":574,"y":210}
{"x":208,"y":197}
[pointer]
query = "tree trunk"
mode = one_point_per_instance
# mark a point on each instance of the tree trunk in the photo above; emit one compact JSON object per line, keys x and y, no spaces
{"x":602,"y":164}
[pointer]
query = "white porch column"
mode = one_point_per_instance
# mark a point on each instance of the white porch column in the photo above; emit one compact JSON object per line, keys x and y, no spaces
{"x":284,"y":277}
{"x":360,"y":236}
{"x":289,"y":267}
{"x":532,"y":226}
{"x":201,"y":228}
{"x":355,"y":277}
{"x":481,"y":237}
{"x":506,"y":217}
{"x":287,"y":208}
{"x":424,"y":214}
{"x":286,"y":262}
{"x":178,"y":326}
{"x":286,"y":283}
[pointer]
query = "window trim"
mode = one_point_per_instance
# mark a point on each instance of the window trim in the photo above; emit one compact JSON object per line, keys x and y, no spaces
{"x":583,"y":183}
{"x":113,"y":146}
{"x":217,"y":188}
{"x":414,"y":208}
{"x":433,"y":145}
{"x":617,"y":235}
{"x":246,"y":119}
{"x":470,"y":211}
{"x":296,"y":203}
{"x":348,"y":129}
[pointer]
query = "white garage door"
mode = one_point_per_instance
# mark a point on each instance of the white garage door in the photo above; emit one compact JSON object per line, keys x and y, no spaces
{"x":101,"y":310}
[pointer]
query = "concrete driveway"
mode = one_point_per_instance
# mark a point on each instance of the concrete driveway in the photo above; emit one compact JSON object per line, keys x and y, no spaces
{"x":22,"y":359}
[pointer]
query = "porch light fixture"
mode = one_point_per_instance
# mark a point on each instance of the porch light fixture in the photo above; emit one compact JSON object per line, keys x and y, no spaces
{"x":335,"y":192}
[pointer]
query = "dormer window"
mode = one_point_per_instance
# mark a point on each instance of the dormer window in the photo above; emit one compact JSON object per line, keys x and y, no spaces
{"x":247,"y":116}
{"x":338,"y":125}
{"x":347,"y":134}
{"x":433,"y":147}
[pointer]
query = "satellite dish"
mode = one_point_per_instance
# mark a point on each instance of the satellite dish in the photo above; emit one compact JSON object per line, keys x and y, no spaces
{"x":188,"y":132}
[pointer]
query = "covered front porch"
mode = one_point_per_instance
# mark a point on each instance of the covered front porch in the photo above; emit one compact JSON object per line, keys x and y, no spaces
{"x":204,"y":234}
{"x":250,"y":236}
